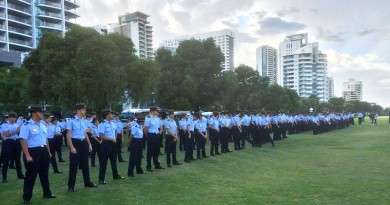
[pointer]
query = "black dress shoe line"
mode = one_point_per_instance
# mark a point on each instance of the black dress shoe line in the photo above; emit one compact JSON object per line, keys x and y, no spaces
{"x":169,"y":165}
{"x":122,"y":161}
{"x":71,"y":189}
{"x":57,"y":172}
{"x":90,"y":184}
{"x":51,"y":196}
{"x":119,"y":177}
{"x":102,"y":182}
{"x":149,"y":169}
{"x":5,"y":181}
{"x":27,"y":201}
{"x":21,"y":177}
{"x":159,"y":167}
{"x":130,"y":175}
{"x":177,"y":163}
{"x":141,"y":172}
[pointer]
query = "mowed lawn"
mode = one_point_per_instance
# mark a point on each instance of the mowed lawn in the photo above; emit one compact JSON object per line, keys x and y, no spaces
{"x":349,"y":166}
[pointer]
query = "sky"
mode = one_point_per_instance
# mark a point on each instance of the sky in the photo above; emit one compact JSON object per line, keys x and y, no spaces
{"x":355,"y":35}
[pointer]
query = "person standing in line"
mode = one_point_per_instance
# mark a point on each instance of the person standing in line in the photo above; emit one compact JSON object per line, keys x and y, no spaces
{"x":201,"y":135}
{"x":136,"y":147}
{"x":171,"y":138}
{"x":151,"y":131}
{"x":79,"y":146}
{"x":10,"y":130}
{"x":375,"y":118}
{"x":36,"y":150}
{"x":96,"y":141}
{"x":51,"y":130}
{"x":214,"y":134}
{"x":109,"y":148}
{"x":119,"y":136}
{"x":360,"y":118}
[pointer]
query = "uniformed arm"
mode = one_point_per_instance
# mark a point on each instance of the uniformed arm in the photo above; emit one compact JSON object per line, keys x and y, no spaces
{"x":69,"y":139}
{"x":26,"y":153}
{"x":146,"y":130}
{"x":7,"y":133}
{"x":104,"y":137}
{"x":89,"y":143}
{"x":48,"y":148}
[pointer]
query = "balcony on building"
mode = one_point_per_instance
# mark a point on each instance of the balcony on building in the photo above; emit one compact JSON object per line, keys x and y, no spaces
{"x":71,"y":13}
{"x":19,"y":20}
{"x":50,"y":26}
{"x":20,"y":31}
{"x":49,"y":5}
{"x":71,"y":3}
{"x":19,"y":10}
{"x":49,"y":15}
{"x":20,"y":44}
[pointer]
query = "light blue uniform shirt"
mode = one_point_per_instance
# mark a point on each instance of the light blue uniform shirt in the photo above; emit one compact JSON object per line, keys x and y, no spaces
{"x":153,"y":123}
{"x":34,"y":133}
{"x":171,"y":125}
{"x":50,"y":130}
{"x":191,"y":123}
{"x":95,"y":131}
{"x":200,"y":125}
{"x":107,"y":128}
{"x":119,"y":127}
{"x":78,"y":127}
{"x":137,"y":131}
{"x":214,"y":123}
{"x":10,"y":128}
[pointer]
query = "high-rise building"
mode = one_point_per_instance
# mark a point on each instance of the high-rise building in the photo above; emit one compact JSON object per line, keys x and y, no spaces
{"x":304,"y":67}
{"x":224,"y":39}
{"x":135,"y":26}
{"x":353,"y":90}
{"x":266,"y":63}
{"x":23,"y":21}
{"x":330,"y":87}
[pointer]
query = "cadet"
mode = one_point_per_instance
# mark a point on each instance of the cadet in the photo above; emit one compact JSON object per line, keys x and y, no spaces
{"x":201,"y":135}
{"x":151,"y":131}
{"x":185,"y":137}
{"x":33,"y":139}
{"x":214,"y":134}
{"x":79,"y":146}
{"x":171,"y":139}
{"x":96,"y":141}
{"x":10,"y":131}
{"x":135,"y":147}
{"x":108,"y":149}
{"x":51,"y":131}
{"x":119,"y":136}
{"x":57,"y":139}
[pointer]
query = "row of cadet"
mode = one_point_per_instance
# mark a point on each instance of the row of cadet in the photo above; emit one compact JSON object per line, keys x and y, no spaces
{"x":43,"y":136}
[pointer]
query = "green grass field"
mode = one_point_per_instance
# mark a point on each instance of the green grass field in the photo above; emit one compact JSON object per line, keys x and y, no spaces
{"x":349,"y":166}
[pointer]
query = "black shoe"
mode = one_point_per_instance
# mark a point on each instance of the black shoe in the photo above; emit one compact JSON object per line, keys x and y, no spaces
{"x":130,"y":175}
{"x":71,"y":189}
{"x":149,"y":169}
{"x":119,"y":177}
{"x":141,"y":172}
{"x":169,"y":165}
{"x":160,"y":167}
{"x":90,"y":184}
{"x":21,"y":177}
{"x":187,"y":160}
{"x":199,"y":158}
{"x":193,"y":159}
{"x":5,"y":181}
{"x":122,"y":160}
{"x":27,"y":201}
{"x":50,"y":196}
{"x":177,"y":163}
{"x":12,"y":167}
{"x":217,"y":153}
{"x":212,"y":154}
{"x":57,"y":172}
{"x":228,"y":151}
{"x":102,"y":182}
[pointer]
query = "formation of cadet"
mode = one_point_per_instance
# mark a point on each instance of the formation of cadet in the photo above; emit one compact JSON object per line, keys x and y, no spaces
{"x":41,"y":138}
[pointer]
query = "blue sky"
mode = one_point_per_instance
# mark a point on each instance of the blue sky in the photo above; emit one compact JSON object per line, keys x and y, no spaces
{"x":354,"y":34}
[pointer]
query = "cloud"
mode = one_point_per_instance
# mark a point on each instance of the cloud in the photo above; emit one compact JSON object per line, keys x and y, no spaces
{"x":261,"y":14}
{"x":288,"y":11}
{"x":314,"y":10}
{"x":245,"y":38}
{"x":366,"y":32}
{"x":275,"y":25}
{"x":327,"y":35}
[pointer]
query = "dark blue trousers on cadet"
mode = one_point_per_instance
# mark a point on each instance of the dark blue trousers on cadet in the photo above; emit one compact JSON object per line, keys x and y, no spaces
{"x":80,"y":159}
{"x":135,"y":147}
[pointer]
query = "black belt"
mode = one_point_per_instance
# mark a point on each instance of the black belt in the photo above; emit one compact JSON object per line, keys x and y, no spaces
{"x":78,"y":140}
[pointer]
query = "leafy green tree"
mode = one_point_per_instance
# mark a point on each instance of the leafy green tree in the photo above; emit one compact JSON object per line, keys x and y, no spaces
{"x":336,"y":104}
{"x":13,"y":89}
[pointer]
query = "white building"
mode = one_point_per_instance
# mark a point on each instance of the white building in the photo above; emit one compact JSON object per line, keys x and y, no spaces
{"x":353,"y":90}
{"x":266,"y":63}
{"x":135,"y":26}
{"x":330,"y":87}
{"x":304,"y":67}
{"x":23,"y":21}
{"x":223,"y":39}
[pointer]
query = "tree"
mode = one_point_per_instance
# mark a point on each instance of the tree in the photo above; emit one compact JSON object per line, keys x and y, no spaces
{"x":336,"y":104}
{"x":13,"y":88}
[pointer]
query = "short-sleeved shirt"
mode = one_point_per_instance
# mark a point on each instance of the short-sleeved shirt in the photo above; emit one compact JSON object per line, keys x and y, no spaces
{"x":200,"y":125}
{"x":34,"y":133}
{"x":107,"y":128}
{"x":78,"y":126}
{"x":214,"y":123}
{"x":119,"y":127}
{"x":137,"y":131}
{"x":153,"y":124}
{"x":10,"y":127}
{"x":95,"y":131}
{"x":171,"y":125}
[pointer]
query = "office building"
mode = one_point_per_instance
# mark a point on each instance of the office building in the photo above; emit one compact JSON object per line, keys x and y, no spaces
{"x":224,"y":39}
{"x":266,"y":63}
{"x":353,"y":90}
